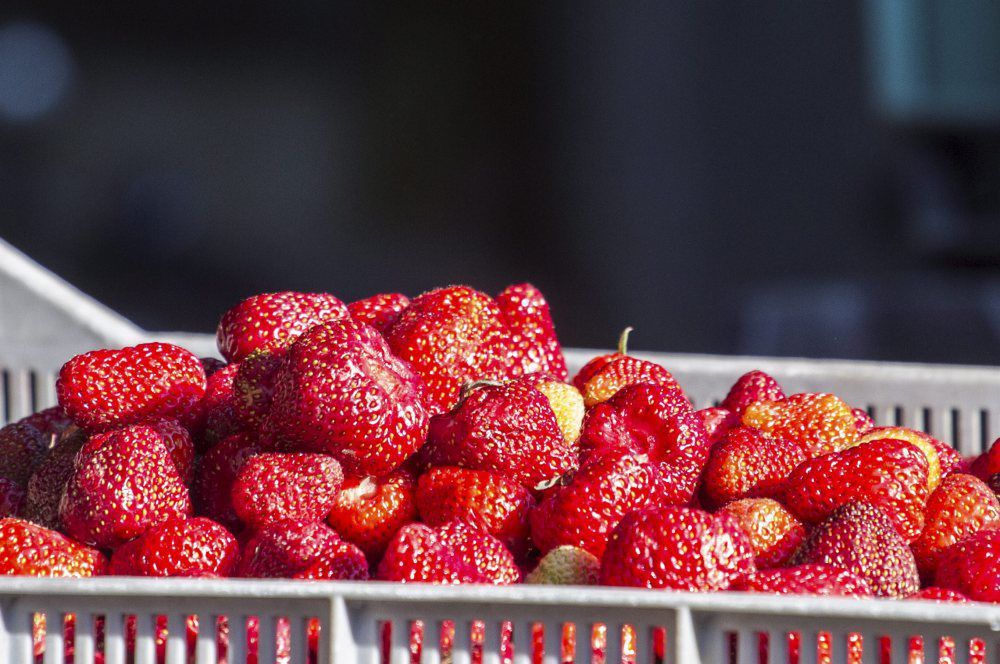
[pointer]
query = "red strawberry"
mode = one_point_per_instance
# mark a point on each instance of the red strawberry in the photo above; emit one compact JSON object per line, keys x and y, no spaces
{"x":959,"y":507}
{"x":863,"y":422}
{"x":297,"y":548}
{"x":937,"y":594}
{"x":679,"y":548}
{"x":275,"y":487}
{"x":451,"y":336}
{"x":11,"y":498}
{"x":272,"y":321}
{"x":890,"y":474}
{"x":508,"y":429}
{"x":749,"y":464}
{"x":27,"y":549}
{"x":45,"y":488}
{"x":773,"y":532}
{"x":948,"y":457}
{"x":380,"y":311}
{"x":972,"y":567}
{"x":498,"y":505}
{"x":603,"y":376}
{"x":718,"y":421}
{"x":918,"y":439}
{"x":49,"y":421}
{"x":217,"y":471}
{"x":125,"y":486}
{"x":108,"y":388}
{"x":178,"y":442}
{"x":987,"y":464}
{"x":533,"y":334}
{"x":220,"y":414}
{"x":369,"y":511}
{"x":22,"y":448}
{"x":752,"y":387}
{"x":820,"y":423}
{"x":340,"y":391}
{"x":807,"y":580}
{"x":181,"y":547}
{"x":485,"y":553}
{"x":584,"y":512}
{"x":253,"y":387}
{"x":418,"y":554}
{"x":860,"y":538}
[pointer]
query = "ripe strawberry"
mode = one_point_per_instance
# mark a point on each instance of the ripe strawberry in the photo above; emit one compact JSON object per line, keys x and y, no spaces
{"x":272,"y":321}
{"x":959,"y":507}
{"x":752,"y":387}
{"x":380,"y":311}
{"x":418,"y":554}
{"x":181,"y":547}
{"x":108,"y":388}
{"x":860,"y":538}
{"x":297,"y":549}
{"x":718,"y":422}
{"x":253,"y":386}
{"x":918,"y":439}
{"x":178,"y":442}
{"x":603,"y":376}
{"x":566,"y":566}
{"x":566,"y":402}
{"x":127,"y":484}
{"x":213,"y":482}
{"x":11,"y":498}
{"x":948,"y":457}
{"x":584,"y":512}
{"x":369,"y":511}
{"x":773,"y":532}
{"x":647,"y":419}
{"x":972,"y":567}
{"x":485,"y":553}
{"x":987,"y":464}
{"x":863,"y":422}
{"x":533,"y":334}
{"x":274,"y":487}
{"x":807,"y":580}
{"x":498,"y":505}
{"x":937,"y":594}
{"x":679,"y":548}
{"x":220,"y":415}
{"x":27,"y":549}
{"x":748,"y":464}
{"x":49,"y":421}
{"x":340,"y":391}
{"x":507,"y":429}
{"x":452,"y":336}
{"x":45,"y":488}
{"x":22,"y":448}
{"x":890,"y":474}
{"x":820,"y":423}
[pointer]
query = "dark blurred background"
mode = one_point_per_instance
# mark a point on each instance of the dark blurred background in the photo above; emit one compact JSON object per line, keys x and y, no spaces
{"x":790,"y":178}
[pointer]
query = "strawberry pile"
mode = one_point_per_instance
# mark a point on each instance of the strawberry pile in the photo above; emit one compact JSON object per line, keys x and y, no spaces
{"x":441,"y":440}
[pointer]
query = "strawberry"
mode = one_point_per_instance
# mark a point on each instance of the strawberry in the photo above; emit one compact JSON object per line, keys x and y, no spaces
{"x":807,"y":580}
{"x":181,"y":547}
{"x":108,"y":388}
{"x":679,"y":548}
{"x":178,"y":442}
{"x":600,"y":378}
{"x":972,"y":567}
{"x":507,"y":429}
{"x":340,"y":391}
{"x":717,"y":422}
{"x":368,"y":511}
{"x":918,"y":439}
{"x":274,"y":487}
{"x":27,"y":549}
{"x":498,"y":505}
{"x":213,"y":483}
{"x":418,"y":554}
{"x":485,"y":553}
{"x":211,"y":365}
{"x":566,"y":402}
{"x":948,"y":457}
{"x":749,"y":388}
{"x":127,"y":484}
{"x":585,"y":511}
{"x":452,"y":336}
{"x":22,"y":448}
{"x":253,"y":387}
{"x":11,"y":498}
{"x":748,"y":464}
{"x":987,"y":464}
{"x":959,"y":507}
{"x":890,"y":474}
{"x":860,"y":538}
{"x":220,"y":414}
{"x":566,"y":566}
{"x":380,"y":311}
{"x":773,"y":532}
{"x":533,"y":334}
{"x":49,"y":421}
{"x":820,"y":423}
{"x":863,"y":422}
{"x":936,"y":594}
{"x":45,"y":488}
{"x":301,"y":549}
{"x":272,"y":321}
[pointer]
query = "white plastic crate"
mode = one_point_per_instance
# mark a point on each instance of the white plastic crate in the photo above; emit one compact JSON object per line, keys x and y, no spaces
{"x":44,"y":321}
